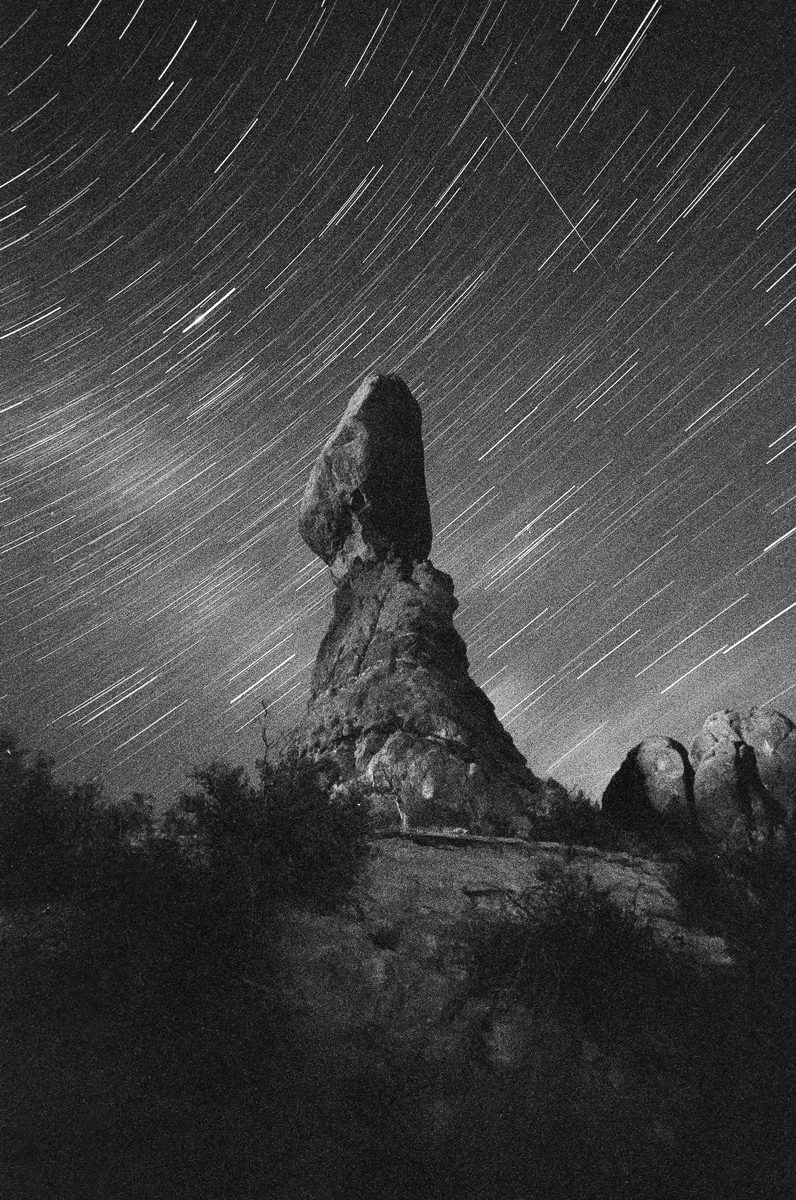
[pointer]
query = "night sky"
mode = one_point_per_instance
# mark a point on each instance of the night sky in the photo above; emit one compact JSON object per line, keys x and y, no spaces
{"x":570,"y":229}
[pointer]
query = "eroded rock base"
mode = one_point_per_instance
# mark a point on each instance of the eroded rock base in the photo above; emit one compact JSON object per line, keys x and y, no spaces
{"x":394,"y":706}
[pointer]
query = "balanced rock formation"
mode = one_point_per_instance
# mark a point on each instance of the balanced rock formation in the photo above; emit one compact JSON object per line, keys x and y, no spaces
{"x":392,"y":701}
{"x":653,"y":788}
{"x":745,"y":775}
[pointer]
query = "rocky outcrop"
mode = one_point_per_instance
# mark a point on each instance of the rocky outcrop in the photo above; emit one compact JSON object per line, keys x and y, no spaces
{"x":391,"y":957}
{"x":392,"y":701}
{"x":383,"y":985}
{"x":653,"y":788}
{"x":745,"y":775}
{"x":772,"y":736}
{"x":736,"y":787}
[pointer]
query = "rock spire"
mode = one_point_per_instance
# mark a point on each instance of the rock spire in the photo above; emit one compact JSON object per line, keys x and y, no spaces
{"x":392,"y":701}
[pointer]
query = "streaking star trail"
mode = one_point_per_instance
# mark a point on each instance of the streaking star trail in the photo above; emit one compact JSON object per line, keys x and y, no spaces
{"x":569,"y":227}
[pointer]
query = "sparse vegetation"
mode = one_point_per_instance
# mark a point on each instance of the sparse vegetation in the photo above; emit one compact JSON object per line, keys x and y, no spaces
{"x":292,"y":836}
{"x":147,"y":1054}
{"x":138,"y":970}
{"x":571,"y":946}
{"x":572,"y":818}
{"x":55,"y":837}
{"x":571,"y":958}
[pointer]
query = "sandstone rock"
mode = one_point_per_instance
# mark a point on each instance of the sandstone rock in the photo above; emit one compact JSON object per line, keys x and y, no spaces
{"x":389,"y":974}
{"x":745,"y":775}
{"x":653,"y":788}
{"x":366,"y":497}
{"x":392,"y":701}
{"x":394,"y":956}
{"x":772,"y":736}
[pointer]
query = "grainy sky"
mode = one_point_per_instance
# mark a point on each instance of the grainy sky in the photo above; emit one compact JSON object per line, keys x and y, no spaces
{"x":569,"y":228}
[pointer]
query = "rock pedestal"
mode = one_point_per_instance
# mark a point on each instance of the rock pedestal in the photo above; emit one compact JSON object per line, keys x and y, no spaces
{"x":392,"y":701}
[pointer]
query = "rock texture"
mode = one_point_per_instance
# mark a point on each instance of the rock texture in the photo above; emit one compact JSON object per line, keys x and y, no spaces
{"x":366,"y":497}
{"x":387,"y":977}
{"x":392,"y":701}
{"x":392,"y":957}
{"x":736,"y":787}
{"x":654,"y":787}
{"x":745,"y":775}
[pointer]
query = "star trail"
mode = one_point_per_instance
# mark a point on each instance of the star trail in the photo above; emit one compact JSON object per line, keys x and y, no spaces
{"x":570,"y":228}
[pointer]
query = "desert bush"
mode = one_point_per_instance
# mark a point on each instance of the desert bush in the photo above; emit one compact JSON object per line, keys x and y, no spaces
{"x":160,"y":1009}
{"x":572,"y":818}
{"x":746,"y":1053}
{"x":177,"y":914}
{"x":568,"y":945}
{"x":317,"y":833}
{"x":722,"y":890}
{"x":729,"y":1041}
{"x":295,"y":836}
{"x":46,"y":828}
{"x":186,"y":911}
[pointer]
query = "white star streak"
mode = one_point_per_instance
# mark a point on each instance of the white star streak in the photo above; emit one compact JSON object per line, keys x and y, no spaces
{"x":509,"y":134}
{"x":517,"y":634}
{"x":262,"y":679}
{"x":694,"y":632}
{"x":152,"y":724}
{"x":577,"y":746}
{"x":746,"y":636}
{"x":680,"y":679}
{"x":608,"y":655}
{"x":176,"y":52}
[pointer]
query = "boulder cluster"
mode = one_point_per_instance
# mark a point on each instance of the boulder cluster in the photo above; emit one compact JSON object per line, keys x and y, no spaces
{"x":735,"y":787}
{"x":392,"y":702}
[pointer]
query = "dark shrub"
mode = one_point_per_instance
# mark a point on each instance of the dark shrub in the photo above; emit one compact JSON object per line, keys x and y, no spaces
{"x":572,"y":818}
{"x":144,"y":1029}
{"x":46,"y":828}
{"x":729,"y":1041}
{"x":747,"y":1055}
{"x":570,"y":946}
{"x":295,"y":837}
{"x":317,"y":834}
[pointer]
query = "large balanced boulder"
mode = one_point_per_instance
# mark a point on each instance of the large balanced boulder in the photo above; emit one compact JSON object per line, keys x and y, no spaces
{"x":744,"y":775}
{"x":366,"y":497}
{"x":392,"y":701}
{"x":653,"y":788}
